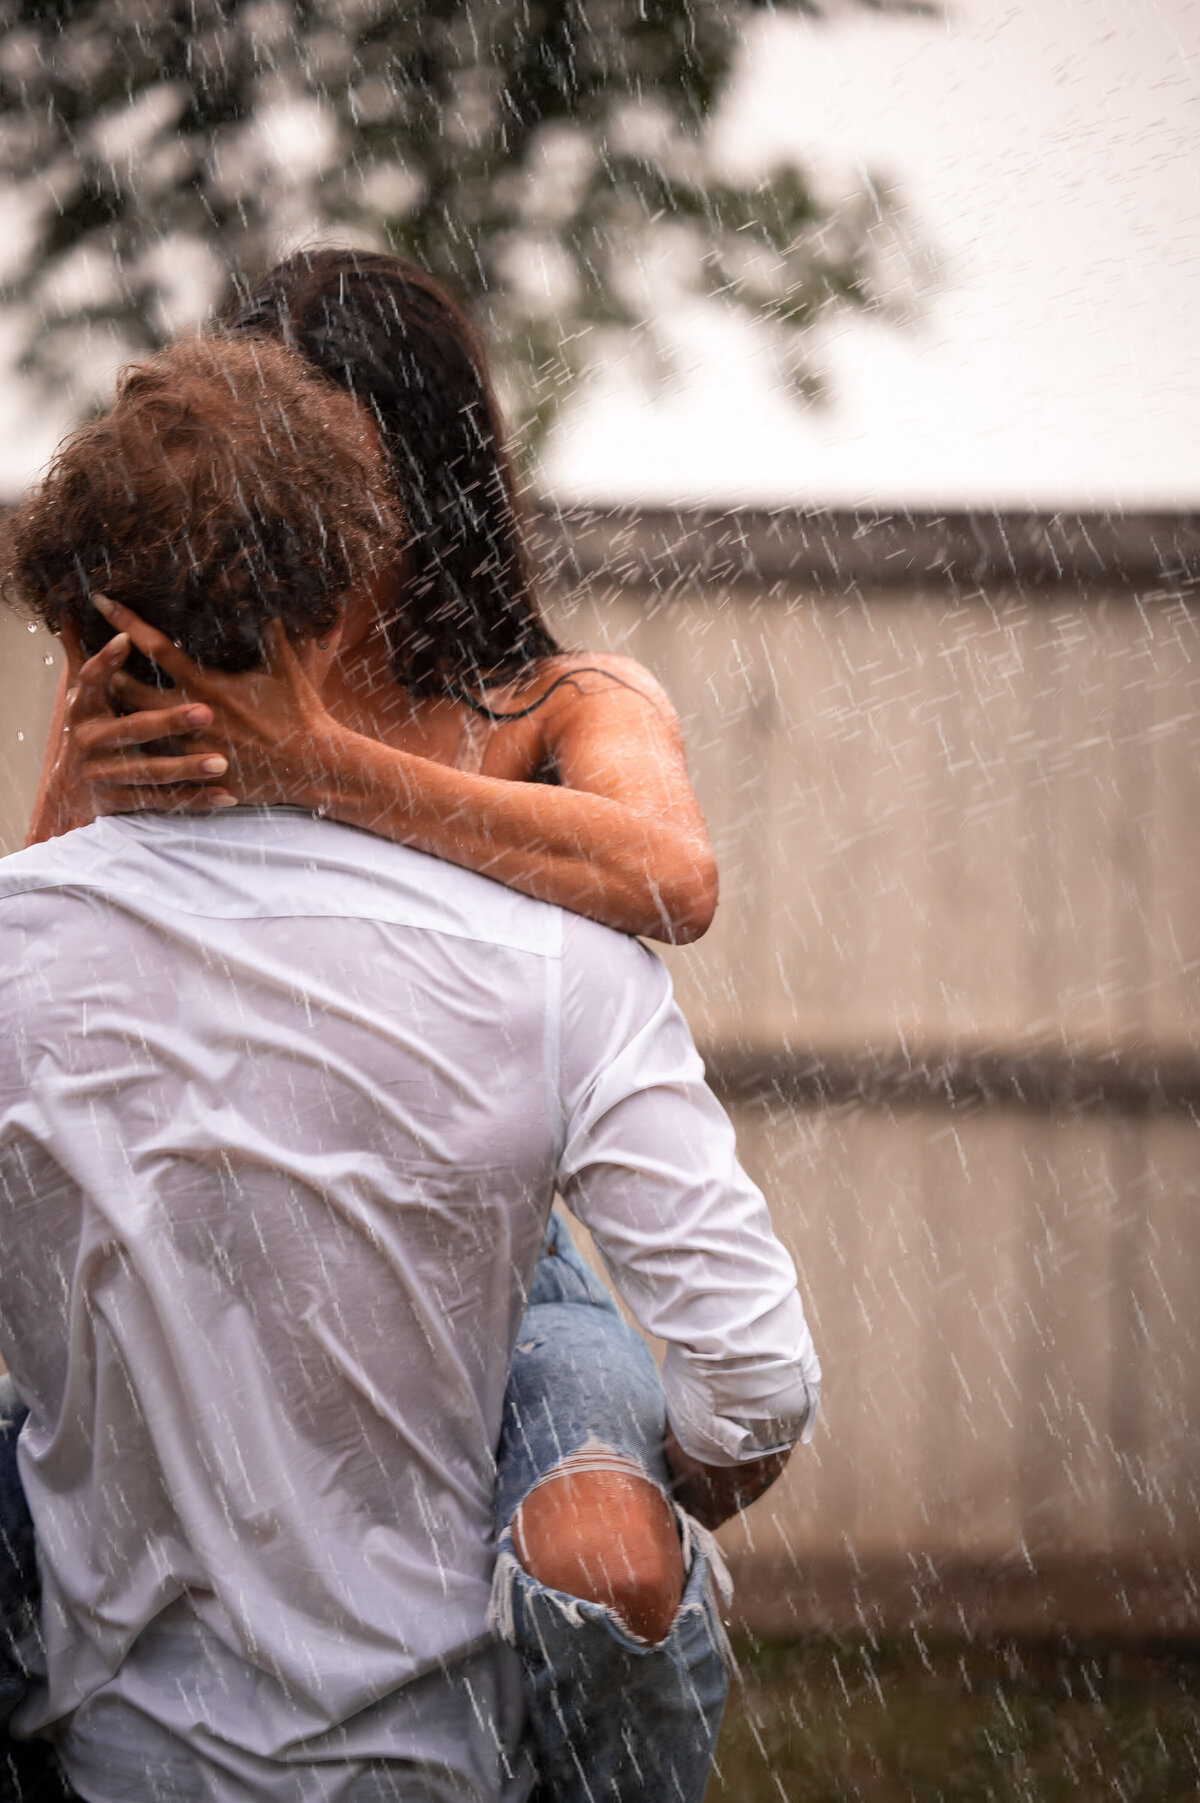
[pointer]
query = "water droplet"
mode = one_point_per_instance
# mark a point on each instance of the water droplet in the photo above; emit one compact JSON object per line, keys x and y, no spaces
{"x":49,"y":658}
{"x":32,"y":626}
{"x":20,"y":738}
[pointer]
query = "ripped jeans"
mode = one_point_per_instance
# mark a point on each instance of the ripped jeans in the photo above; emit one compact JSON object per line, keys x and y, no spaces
{"x":612,"y":1719}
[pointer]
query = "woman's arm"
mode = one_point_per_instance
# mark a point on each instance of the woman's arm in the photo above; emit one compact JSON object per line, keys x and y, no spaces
{"x":621,"y":863}
{"x":623,"y":840}
{"x":613,"y":733}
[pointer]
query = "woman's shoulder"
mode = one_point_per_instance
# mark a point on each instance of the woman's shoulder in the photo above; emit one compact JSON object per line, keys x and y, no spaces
{"x":560,"y":682}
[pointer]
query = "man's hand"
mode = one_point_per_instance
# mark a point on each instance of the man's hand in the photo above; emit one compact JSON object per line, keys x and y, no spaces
{"x":714,"y":1493}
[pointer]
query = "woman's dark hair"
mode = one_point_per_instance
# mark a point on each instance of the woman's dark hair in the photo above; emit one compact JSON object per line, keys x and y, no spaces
{"x":392,"y":337}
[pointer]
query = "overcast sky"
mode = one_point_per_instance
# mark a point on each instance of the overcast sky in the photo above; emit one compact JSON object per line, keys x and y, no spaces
{"x":1049,"y":155}
{"x":1050,"y":152}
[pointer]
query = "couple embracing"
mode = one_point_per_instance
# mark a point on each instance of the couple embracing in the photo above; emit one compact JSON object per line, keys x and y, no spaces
{"x":346,"y":1478}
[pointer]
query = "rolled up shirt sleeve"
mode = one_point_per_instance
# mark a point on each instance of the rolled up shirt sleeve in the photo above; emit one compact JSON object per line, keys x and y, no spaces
{"x":649,"y":1165}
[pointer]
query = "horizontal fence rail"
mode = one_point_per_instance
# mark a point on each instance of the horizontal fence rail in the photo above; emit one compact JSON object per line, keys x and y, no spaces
{"x":1131,"y":1079}
{"x":779,"y":550}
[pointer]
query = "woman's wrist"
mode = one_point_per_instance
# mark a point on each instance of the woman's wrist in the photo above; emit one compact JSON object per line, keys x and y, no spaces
{"x":341,"y":774}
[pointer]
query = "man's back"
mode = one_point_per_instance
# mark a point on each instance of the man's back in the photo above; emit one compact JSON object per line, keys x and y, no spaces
{"x":279,"y":1143}
{"x":282,"y":1109}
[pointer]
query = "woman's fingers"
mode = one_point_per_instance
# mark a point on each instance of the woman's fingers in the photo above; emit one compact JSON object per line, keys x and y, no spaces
{"x":156,"y":772}
{"x":102,"y":742}
{"x":89,"y":691}
{"x":134,"y":695}
{"x":153,"y":644}
{"x":148,"y":724}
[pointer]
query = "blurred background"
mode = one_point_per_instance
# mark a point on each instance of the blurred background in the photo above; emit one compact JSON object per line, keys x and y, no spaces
{"x":852,"y":353}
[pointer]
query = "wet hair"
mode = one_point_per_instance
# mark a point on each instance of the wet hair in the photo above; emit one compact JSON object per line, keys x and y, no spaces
{"x":227,"y":485}
{"x":395,"y":340}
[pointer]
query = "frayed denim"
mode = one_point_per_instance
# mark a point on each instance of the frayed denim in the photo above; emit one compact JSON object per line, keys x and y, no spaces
{"x":613,"y":1718}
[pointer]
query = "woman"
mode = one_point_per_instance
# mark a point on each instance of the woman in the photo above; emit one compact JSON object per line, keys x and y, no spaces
{"x":463,"y":677}
{"x":448,"y":703}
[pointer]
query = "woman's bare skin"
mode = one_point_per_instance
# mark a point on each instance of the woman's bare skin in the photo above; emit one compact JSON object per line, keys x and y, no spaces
{"x":617,"y":835}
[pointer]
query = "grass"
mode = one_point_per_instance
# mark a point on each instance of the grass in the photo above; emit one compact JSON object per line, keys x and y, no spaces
{"x":910,"y":1721}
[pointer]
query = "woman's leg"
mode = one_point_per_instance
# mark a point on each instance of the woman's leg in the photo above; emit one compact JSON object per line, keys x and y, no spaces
{"x":605,"y":1593}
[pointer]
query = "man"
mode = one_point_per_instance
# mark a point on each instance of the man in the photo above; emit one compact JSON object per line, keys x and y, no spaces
{"x":283,"y":1108}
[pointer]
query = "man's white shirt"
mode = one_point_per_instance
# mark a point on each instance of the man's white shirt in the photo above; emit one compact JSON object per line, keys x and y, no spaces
{"x":283,"y":1108}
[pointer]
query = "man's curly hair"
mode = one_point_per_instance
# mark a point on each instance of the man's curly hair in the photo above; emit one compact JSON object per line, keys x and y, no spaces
{"x":229,"y":484}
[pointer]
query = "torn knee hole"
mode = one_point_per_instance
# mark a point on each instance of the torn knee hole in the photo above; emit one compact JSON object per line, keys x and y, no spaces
{"x":597,"y":1527}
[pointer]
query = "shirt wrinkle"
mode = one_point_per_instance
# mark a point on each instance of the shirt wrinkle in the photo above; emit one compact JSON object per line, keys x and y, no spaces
{"x":267,"y":1227}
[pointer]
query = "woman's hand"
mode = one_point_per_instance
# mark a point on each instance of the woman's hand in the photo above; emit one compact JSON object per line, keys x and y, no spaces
{"x":261,"y":737}
{"x":97,"y":761}
{"x":271,"y":726}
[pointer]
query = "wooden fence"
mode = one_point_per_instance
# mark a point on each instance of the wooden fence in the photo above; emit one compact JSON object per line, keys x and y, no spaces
{"x":952,"y":769}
